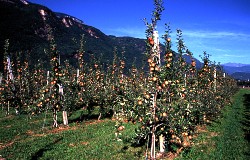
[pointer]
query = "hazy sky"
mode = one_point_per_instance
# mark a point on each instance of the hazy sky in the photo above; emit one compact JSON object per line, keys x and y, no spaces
{"x":219,"y":27}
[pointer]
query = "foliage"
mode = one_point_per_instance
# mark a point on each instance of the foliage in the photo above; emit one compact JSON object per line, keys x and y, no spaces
{"x":168,"y":101}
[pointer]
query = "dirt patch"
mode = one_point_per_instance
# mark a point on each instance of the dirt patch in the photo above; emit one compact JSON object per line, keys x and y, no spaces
{"x":85,"y":143}
{"x":201,"y":129}
{"x":8,"y":126}
{"x":2,"y":146}
{"x":94,"y":122}
{"x":168,"y":155}
{"x":61,"y":129}
{"x":7,"y":117}
{"x":29,"y":132}
{"x":1,"y":158}
{"x":32,"y":133}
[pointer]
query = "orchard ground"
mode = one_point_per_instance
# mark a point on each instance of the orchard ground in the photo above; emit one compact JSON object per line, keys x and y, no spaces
{"x":87,"y":138}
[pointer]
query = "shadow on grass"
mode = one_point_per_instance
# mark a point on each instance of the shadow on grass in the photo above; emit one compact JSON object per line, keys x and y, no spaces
{"x":246,"y":122}
{"x":48,"y":147}
{"x":83,"y":116}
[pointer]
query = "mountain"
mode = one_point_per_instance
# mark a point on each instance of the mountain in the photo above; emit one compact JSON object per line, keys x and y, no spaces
{"x":237,"y":70}
{"x":231,"y":70}
{"x":28,"y":27}
{"x":235,"y":65}
{"x":241,"y":76}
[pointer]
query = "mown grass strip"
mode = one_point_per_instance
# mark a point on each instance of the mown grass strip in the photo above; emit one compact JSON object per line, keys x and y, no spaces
{"x":227,"y":138}
{"x":92,"y":139}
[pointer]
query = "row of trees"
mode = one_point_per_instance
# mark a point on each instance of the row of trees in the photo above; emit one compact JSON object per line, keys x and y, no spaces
{"x":168,"y":100}
{"x":177,"y":96}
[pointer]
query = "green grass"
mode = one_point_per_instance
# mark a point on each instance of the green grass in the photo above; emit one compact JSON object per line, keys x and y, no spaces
{"x":228,"y":137}
{"x":26,"y":139}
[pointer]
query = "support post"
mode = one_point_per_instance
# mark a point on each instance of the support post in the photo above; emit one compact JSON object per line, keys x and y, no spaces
{"x":8,"y":108}
{"x":77,"y":75}
{"x":65,"y":118}
{"x":152,"y":154}
{"x":55,"y":118}
{"x":161,"y":141}
{"x":215,"y":77}
{"x":47,"y":77}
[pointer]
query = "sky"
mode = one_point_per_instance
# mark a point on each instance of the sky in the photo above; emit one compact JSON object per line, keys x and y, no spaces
{"x":219,"y":27}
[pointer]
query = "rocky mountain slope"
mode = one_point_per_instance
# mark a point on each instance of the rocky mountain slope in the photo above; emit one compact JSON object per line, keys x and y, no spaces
{"x":29,"y":28}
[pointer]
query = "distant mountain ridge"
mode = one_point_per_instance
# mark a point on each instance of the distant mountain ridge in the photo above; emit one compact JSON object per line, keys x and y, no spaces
{"x":231,"y":70}
{"x":237,"y":70}
{"x":241,"y":76}
{"x":235,"y":64}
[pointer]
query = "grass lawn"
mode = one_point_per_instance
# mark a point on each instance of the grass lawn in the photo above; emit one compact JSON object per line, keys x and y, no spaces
{"x":24,"y":138}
